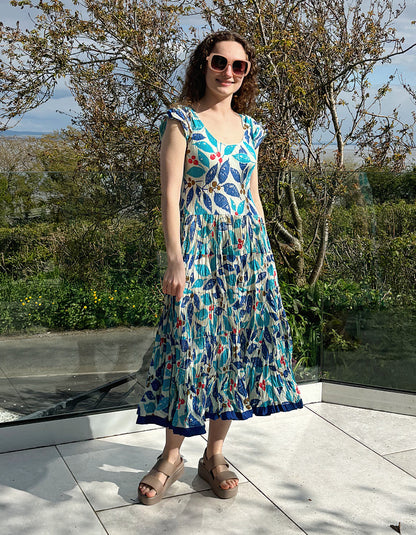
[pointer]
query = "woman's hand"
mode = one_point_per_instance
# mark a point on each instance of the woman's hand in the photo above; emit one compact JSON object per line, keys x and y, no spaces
{"x":174,"y":279}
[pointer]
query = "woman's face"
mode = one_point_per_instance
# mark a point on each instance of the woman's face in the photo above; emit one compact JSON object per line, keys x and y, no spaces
{"x":225,"y":83}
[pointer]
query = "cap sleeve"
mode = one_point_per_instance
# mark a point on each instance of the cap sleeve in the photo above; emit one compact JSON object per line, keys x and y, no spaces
{"x":258,"y":133}
{"x":180,"y":115}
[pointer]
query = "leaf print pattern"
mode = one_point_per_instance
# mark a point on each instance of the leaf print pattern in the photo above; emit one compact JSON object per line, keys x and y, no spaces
{"x":225,"y":349}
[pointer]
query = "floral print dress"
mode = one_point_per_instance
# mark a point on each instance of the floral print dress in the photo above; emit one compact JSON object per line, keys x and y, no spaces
{"x":225,"y":349}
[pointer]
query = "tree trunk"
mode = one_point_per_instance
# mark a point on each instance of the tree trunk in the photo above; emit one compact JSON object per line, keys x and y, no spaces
{"x":320,"y":257}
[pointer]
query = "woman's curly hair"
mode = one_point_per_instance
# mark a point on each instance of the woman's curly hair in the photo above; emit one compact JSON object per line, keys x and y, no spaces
{"x":194,"y":86}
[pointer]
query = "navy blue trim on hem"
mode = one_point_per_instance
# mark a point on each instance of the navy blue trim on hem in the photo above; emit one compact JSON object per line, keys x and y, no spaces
{"x":184,"y":431}
{"x":230,"y":415}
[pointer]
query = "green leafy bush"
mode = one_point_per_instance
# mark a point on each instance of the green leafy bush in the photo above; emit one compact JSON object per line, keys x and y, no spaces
{"x":34,"y":304}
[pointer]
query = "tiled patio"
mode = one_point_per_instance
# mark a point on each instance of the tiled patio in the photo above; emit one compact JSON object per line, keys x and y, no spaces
{"x":325,"y":469}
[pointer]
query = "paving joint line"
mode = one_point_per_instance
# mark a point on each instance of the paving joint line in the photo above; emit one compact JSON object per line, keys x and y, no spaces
{"x":362,"y":443}
{"x":267,"y":497}
{"x":80,"y":488}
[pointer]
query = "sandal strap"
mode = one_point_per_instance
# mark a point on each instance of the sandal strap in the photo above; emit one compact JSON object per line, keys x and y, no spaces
{"x":167,"y":468}
{"x":161,"y":465}
{"x":226,"y":474}
{"x":153,"y":481}
{"x":214,"y":461}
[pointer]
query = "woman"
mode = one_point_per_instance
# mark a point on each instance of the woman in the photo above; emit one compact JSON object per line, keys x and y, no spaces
{"x":223,"y":347}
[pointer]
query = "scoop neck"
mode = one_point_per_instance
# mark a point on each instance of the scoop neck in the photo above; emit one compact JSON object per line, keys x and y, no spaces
{"x":243,"y":124}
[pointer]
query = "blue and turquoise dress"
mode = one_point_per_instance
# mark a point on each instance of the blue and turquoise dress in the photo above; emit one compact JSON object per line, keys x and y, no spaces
{"x":225,"y":349}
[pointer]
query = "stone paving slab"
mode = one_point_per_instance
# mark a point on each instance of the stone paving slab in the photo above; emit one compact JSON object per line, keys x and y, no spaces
{"x":324,"y":479}
{"x":39,"y":496}
{"x":201,"y":513}
{"x":300,"y":473}
{"x":120,"y":462}
{"x":405,"y":460}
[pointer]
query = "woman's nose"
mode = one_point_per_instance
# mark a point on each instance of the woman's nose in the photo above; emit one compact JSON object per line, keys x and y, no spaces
{"x":229,"y":70}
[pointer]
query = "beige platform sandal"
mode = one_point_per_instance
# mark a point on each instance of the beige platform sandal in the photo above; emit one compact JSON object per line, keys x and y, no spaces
{"x":205,"y":468}
{"x":173,"y":471}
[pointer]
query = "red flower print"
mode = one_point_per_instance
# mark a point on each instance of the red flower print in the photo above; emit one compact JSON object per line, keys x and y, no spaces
{"x":217,"y":155}
{"x":178,"y":323}
{"x":169,"y":366}
{"x":297,"y":389}
{"x":262,"y":385}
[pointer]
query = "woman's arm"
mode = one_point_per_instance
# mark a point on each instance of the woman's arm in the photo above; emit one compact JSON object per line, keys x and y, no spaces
{"x":254,"y":188}
{"x":172,"y":157}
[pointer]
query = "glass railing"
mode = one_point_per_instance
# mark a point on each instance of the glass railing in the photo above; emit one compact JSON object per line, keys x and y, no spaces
{"x":370,"y":308}
{"x":80,"y":293}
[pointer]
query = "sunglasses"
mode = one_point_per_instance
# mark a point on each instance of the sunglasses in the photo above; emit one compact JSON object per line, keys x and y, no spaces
{"x":219,"y":63}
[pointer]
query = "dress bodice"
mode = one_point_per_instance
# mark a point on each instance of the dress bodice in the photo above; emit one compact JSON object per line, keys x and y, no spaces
{"x":216,"y":177}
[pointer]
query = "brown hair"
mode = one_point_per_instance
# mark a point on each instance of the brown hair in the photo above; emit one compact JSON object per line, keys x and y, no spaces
{"x":194,"y":86}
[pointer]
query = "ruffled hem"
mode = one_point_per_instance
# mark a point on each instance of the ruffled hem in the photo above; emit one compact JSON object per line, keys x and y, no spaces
{"x":229,"y":415}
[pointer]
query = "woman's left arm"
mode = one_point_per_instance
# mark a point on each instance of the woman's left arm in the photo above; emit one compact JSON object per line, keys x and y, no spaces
{"x":254,"y":188}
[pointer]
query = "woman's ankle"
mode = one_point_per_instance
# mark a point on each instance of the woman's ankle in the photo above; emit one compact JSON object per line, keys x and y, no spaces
{"x":171,"y":455}
{"x":213,"y":451}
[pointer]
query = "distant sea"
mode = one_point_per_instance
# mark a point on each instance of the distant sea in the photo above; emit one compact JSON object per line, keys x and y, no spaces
{"x":12,"y":133}
{"x":350,"y":157}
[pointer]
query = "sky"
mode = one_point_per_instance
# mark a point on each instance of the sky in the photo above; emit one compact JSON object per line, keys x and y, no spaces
{"x":56,"y":113}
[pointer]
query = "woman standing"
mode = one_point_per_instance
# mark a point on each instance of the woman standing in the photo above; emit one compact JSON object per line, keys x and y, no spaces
{"x":223,"y":348}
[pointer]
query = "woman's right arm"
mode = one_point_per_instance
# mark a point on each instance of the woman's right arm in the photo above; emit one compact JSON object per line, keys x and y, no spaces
{"x":172,"y":157}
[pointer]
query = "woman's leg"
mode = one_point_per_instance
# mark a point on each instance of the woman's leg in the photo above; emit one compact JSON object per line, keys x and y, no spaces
{"x":171,"y":454}
{"x":217,"y":432}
